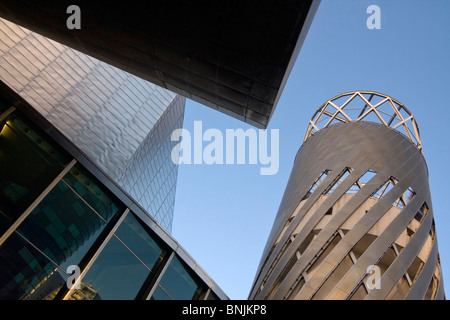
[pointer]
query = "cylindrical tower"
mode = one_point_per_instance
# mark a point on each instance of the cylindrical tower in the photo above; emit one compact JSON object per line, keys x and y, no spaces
{"x":356,"y":219}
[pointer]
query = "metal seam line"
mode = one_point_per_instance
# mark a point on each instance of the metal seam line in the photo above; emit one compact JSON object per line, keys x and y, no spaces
{"x":156,"y":284}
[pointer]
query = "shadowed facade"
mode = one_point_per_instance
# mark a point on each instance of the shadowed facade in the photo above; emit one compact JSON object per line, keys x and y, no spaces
{"x":233,"y":56}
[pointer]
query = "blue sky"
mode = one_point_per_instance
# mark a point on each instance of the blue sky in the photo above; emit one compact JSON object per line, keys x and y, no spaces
{"x":224,"y":213}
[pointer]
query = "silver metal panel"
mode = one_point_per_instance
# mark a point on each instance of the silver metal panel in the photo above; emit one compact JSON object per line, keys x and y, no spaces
{"x":419,"y":288}
{"x":375,"y":250}
{"x":399,"y":267}
{"x":114,"y":118}
{"x":441,"y":293}
{"x":102,"y":109}
{"x":150,"y":176}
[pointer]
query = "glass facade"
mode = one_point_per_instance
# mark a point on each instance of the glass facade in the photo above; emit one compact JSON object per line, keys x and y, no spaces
{"x":40,"y":163}
{"x":177,"y":284}
{"x":58,"y":219}
{"x":130,"y":256}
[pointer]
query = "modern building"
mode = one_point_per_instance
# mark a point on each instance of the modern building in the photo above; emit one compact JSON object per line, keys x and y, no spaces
{"x":356,"y":219}
{"x":60,"y":213}
{"x":85,"y":169}
{"x":121,"y":122}
{"x":87,"y":183}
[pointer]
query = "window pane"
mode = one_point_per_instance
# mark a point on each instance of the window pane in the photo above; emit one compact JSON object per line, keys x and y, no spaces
{"x":62,"y":226}
{"x":85,"y":185}
{"x":160,"y":294}
{"x":116,"y":273}
{"x":39,"y":141}
{"x":29,"y":275}
{"x":26,"y":273}
{"x":138,"y":240}
{"x":24,"y":173}
{"x":179,"y":283}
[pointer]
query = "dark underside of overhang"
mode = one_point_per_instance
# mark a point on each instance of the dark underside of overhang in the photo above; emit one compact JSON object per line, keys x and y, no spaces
{"x":231,"y":55}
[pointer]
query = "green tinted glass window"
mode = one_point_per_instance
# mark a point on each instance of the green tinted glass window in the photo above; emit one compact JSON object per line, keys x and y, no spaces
{"x":126,"y":262}
{"x":116,"y":274}
{"x":92,"y":191}
{"x":161,"y":294}
{"x":138,"y":240}
{"x":28,"y":164}
{"x":212,"y":296}
{"x":26,"y":273}
{"x":39,"y":141}
{"x":63,"y":226}
{"x":177,"y":283}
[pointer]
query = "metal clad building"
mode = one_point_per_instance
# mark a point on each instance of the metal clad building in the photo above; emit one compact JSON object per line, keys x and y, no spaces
{"x":84,"y":142}
{"x":59,"y":213}
{"x":356,"y":219}
{"x":122,"y":122}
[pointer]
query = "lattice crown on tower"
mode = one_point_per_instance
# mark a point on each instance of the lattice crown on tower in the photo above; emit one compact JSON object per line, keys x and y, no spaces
{"x":366,"y":106}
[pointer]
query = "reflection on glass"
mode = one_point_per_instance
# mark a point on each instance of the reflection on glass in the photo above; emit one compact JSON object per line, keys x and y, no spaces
{"x":116,"y":273}
{"x":177,"y":284}
{"x":86,"y":292}
{"x":138,"y":240}
{"x":161,"y":294}
{"x":62,"y":225}
{"x":25,"y":271}
{"x":121,"y":269}
{"x":39,"y":141}
{"x":85,"y":185}
{"x":28,"y":165}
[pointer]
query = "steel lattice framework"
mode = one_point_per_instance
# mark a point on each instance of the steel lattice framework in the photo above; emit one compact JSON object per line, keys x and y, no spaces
{"x":357,"y":202}
{"x":366,"y":106}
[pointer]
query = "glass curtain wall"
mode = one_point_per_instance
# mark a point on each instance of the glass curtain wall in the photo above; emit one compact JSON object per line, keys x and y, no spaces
{"x":59,"y":224}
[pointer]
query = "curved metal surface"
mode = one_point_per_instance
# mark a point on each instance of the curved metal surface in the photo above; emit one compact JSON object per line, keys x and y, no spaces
{"x":357,"y":199}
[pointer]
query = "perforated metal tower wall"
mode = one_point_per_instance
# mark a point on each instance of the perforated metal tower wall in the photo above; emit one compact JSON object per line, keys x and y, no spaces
{"x":356,"y":219}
